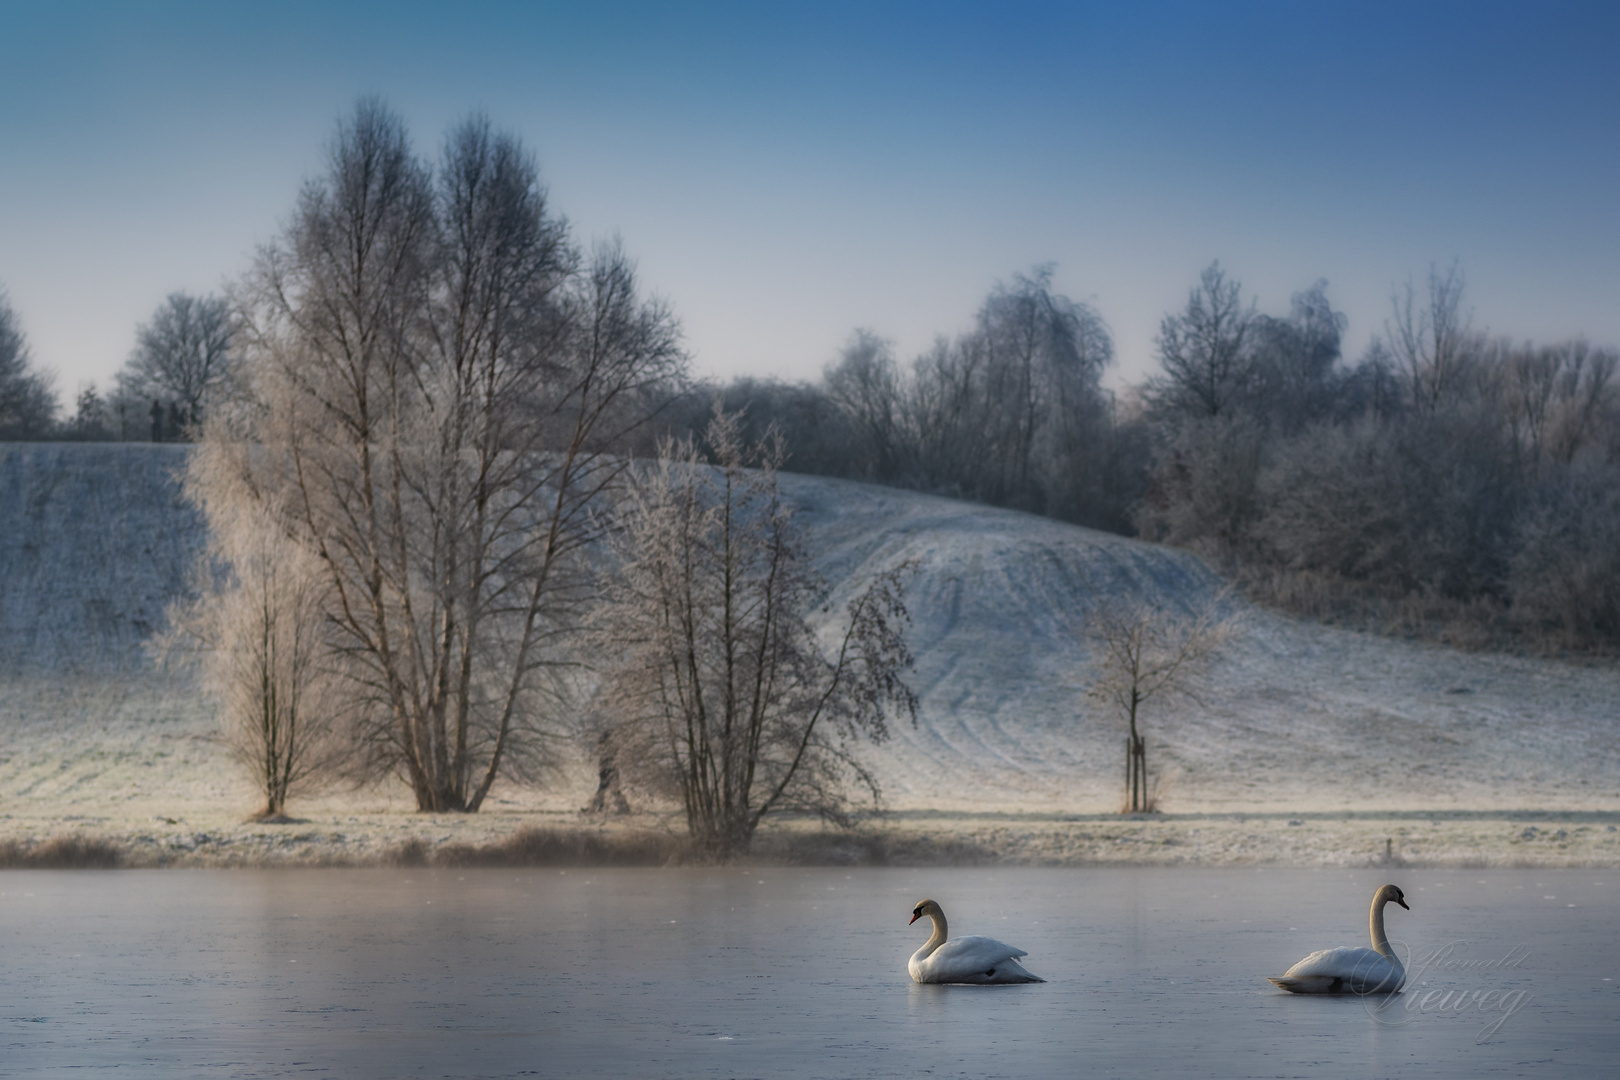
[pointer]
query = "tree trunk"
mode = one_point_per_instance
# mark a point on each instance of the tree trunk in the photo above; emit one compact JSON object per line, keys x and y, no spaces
{"x":1141,"y":775}
{"x":1130,"y":771}
{"x":1136,"y":796}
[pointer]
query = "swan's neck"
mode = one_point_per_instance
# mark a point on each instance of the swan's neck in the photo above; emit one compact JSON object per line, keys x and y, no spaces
{"x":1376,"y":924}
{"x":937,"y":939}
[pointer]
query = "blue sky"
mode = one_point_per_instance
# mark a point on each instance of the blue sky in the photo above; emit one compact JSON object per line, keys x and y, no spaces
{"x":784,"y":174}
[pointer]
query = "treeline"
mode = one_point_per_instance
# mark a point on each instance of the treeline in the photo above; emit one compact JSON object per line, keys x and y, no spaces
{"x":1447,"y":481}
{"x":1012,"y":412}
{"x":182,"y":357}
{"x":1448,"y":475}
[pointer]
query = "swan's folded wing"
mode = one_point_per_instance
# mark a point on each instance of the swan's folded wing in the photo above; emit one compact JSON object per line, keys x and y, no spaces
{"x":1339,"y":963}
{"x":975,"y":951}
{"x":973,"y":959}
{"x":1343,"y":970}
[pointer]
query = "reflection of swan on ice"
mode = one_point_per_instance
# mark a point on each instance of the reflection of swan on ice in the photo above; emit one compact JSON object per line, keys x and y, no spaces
{"x":972,"y":959}
{"x":1352,"y":971}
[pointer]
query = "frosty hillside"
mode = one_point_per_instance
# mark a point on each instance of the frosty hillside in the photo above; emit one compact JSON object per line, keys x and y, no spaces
{"x":1343,"y":732}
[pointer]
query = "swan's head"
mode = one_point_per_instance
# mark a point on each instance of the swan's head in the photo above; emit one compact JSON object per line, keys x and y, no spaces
{"x":925,"y":908}
{"x":1391,"y":894}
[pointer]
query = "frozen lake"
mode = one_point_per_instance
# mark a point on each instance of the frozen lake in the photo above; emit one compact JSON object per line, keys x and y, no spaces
{"x":791,"y":973}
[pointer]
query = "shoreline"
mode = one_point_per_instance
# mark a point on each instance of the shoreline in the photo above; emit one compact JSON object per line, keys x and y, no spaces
{"x":1502,"y":838}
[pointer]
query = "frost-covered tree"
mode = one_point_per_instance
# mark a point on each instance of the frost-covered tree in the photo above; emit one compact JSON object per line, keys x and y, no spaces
{"x":435,"y":381}
{"x":718,"y":688}
{"x":1142,"y":653}
{"x":1012,"y":412}
{"x":27,"y":398}
{"x":183,"y":356}
{"x":1565,"y":573}
{"x":1295,"y":376}
{"x":262,"y":625}
{"x":1432,"y":344}
{"x":91,"y":420}
{"x":1207,"y":350}
{"x":865,"y":384}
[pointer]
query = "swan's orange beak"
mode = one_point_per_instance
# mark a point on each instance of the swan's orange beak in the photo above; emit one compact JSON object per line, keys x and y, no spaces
{"x":1402,"y":902}
{"x":914,"y":918}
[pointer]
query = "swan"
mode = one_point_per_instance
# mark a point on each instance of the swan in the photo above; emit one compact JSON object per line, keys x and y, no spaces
{"x":972,"y":959}
{"x":1349,"y":970}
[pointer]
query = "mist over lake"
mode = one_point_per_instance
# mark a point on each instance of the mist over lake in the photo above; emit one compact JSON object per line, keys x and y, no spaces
{"x":777,"y":972}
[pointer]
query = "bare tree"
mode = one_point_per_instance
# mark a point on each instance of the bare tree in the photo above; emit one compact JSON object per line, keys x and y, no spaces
{"x":91,"y":420}
{"x":947,"y":418}
{"x":1553,"y":397}
{"x":824,"y":440}
{"x":1585,"y":391}
{"x":1206,"y":350}
{"x":438,"y":380}
{"x":1204,"y":484}
{"x":281,"y":712}
{"x":1431,"y":343}
{"x":1294,"y":360}
{"x":1013,"y":411}
{"x":1565,"y":573}
{"x":1142,"y":654}
{"x":722,"y":692}
{"x":183,"y":355}
{"x":261,"y":621}
{"x":1043,"y":357}
{"x":865,"y":384}
{"x":27,"y":397}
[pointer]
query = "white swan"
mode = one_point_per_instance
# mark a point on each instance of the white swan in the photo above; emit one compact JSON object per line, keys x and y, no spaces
{"x":971,"y":959}
{"x":1349,"y":970}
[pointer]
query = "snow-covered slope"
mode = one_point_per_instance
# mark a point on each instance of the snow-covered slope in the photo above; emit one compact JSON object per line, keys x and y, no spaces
{"x":1300,"y":715}
{"x":94,"y":541}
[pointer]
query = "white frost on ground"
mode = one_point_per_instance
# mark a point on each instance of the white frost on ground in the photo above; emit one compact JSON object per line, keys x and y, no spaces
{"x":1450,"y":756}
{"x":1301,"y":716}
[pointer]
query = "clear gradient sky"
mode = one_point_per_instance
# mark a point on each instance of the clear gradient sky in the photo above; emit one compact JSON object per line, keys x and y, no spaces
{"x":784,"y":174}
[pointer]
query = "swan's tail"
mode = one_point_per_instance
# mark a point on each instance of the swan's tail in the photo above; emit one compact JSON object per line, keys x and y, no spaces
{"x":1310,"y":984}
{"x":1011,"y":971}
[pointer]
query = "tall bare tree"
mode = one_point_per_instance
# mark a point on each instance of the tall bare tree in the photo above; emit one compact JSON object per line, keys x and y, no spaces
{"x":865,"y":384}
{"x":1431,"y":342}
{"x":438,"y":379}
{"x":27,"y":396}
{"x":1142,"y":653}
{"x":1045,"y":355}
{"x":183,"y":355}
{"x":1294,"y":360}
{"x":263,"y":627}
{"x":91,"y":418}
{"x":947,"y":418}
{"x":1013,"y":411}
{"x":1206,"y":350}
{"x":721,"y":692}
{"x":1553,"y":397}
